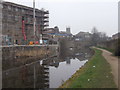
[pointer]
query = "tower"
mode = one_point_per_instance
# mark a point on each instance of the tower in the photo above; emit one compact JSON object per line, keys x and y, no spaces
{"x":68,"y":30}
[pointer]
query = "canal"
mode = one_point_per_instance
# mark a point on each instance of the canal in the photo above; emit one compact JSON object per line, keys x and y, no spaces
{"x":47,"y":73}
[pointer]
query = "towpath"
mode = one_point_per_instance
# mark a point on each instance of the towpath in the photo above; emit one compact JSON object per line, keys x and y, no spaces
{"x":113,"y":61}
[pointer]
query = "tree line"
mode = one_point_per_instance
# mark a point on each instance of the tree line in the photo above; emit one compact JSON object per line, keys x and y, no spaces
{"x":101,"y":38}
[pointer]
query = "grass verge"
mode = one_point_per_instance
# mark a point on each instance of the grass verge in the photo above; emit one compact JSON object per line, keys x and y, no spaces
{"x":95,"y":74}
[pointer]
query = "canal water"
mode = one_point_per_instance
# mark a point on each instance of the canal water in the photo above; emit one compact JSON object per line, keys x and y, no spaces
{"x":65,"y":70}
{"x":47,"y":73}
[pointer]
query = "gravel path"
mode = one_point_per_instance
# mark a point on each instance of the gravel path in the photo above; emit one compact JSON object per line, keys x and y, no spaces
{"x":113,"y":61}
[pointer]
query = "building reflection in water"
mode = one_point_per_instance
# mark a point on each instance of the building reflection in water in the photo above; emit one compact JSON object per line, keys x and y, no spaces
{"x":27,"y":76}
{"x":36,"y":75}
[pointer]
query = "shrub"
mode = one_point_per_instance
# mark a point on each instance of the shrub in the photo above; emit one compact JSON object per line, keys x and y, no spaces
{"x":117,"y":49}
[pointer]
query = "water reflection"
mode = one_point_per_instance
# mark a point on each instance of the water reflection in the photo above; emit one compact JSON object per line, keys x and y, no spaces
{"x":48,"y":73}
{"x":64,"y":71}
{"x":27,"y":76}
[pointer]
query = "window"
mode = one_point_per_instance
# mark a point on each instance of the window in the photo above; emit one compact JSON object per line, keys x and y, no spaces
{"x":9,"y":8}
{"x":19,"y":9}
{"x":23,"y":10}
{"x":12,"y":17}
{"x":9,"y":17}
{"x":3,"y":26}
{"x":28,"y":20}
{"x":20,"y":28}
{"x":9,"y":27}
{"x":16,"y":28}
{"x":16,"y":42}
{"x":16,"y":18}
{"x":16,"y":9}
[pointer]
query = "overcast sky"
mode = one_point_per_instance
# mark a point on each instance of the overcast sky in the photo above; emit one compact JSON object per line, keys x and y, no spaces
{"x":80,"y":15}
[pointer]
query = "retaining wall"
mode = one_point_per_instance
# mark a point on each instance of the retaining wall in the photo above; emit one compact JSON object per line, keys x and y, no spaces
{"x":14,"y":56}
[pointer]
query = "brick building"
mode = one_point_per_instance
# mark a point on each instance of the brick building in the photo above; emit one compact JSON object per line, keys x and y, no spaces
{"x":17,"y":23}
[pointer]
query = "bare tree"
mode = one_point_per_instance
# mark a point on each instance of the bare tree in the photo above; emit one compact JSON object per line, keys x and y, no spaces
{"x":95,"y":36}
{"x":94,"y":30}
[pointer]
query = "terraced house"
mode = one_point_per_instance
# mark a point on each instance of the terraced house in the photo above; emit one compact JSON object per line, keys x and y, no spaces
{"x":17,"y":23}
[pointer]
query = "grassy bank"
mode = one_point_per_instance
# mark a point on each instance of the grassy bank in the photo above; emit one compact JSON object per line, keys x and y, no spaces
{"x":95,"y":74}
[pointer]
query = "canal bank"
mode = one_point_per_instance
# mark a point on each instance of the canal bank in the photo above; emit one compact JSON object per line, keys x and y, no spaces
{"x":46,"y":73}
{"x":15,"y":56}
{"x":95,"y":74}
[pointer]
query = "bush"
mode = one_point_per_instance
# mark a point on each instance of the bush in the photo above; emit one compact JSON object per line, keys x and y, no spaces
{"x":117,"y":49}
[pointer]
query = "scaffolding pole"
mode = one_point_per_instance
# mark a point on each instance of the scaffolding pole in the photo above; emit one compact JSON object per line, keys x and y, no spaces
{"x":34,"y":19}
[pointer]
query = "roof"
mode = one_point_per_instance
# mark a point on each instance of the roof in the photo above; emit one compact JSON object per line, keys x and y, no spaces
{"x":58,"y":34}
{"x":117,"y":34}
{"x":23,"y":6}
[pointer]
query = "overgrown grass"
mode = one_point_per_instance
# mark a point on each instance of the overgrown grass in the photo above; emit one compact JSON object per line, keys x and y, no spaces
{"x":108,"y":49}
{"x":95,"y":74}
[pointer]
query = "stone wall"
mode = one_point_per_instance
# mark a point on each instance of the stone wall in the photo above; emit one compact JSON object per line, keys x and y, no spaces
{"x":19,"y":55}
{"x":112,"y":44}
